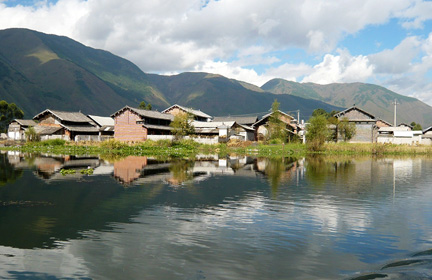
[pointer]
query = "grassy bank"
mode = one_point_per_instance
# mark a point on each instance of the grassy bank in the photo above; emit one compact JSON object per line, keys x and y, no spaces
{"x":188,"y":148}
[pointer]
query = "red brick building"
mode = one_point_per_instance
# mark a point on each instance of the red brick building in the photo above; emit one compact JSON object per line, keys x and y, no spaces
{"x":134,"y":125}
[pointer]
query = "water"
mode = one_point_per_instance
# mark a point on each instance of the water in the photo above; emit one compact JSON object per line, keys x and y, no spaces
{"x":237,"y":218}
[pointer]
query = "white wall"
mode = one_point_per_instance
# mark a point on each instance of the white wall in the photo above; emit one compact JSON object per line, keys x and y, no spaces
{"x":160,"y":137}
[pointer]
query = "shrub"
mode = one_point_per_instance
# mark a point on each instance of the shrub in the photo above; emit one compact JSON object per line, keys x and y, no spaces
{"x":113,"y":144}
{"x":53,"y":142}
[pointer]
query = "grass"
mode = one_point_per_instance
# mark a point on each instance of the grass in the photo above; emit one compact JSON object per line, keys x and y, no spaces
{"x":189,"y":148}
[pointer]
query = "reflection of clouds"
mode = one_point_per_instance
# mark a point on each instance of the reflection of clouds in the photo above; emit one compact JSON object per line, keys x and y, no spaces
{"x":55,"y":262}
{"x":333,"y":219}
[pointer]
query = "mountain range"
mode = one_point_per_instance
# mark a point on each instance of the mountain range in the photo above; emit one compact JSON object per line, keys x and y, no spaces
{"x":40,"y":71}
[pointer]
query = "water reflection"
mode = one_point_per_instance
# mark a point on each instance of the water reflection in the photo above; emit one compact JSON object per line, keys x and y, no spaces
{"x":214,"y":218}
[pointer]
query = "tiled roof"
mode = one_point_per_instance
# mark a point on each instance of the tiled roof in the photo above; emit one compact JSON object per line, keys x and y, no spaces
{"x":26,"y":122}
{"x":354,"y":108}
{"x":46,"y":130}
{"x":77,"y":117}
{"x":190,"y":110}
{"x":81,"y":128}
{"x":146,"y":113}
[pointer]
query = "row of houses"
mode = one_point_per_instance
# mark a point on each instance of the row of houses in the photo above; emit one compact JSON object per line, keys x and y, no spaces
{"x":371,"y":129}
{"x":134,"y":125}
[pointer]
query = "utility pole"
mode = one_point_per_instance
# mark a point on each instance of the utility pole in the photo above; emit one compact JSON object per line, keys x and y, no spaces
{"x":395,"y":103}
{"x":298,"y":117}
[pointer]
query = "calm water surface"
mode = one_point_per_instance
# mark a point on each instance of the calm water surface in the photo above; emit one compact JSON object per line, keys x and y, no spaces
{"x":229,"y":218}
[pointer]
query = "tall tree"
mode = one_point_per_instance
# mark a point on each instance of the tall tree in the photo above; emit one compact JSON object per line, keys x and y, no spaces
{"x":276,"y":127}
{"x":182,"y":125}
{"x":8,"y":112}
{"x":316,"y":132}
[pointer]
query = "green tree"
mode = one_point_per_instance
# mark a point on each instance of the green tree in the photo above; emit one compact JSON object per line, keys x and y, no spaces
{"x":416,"y":126}
{"x":321,"y":111}
{"x":31,"y":135}
{"x":346,"y":129}
{"x":276,"y":127}
{"x":317,"y":132}
{"x":144,"y":106}
{"x":8,"y":112}
{"x":182,"y":125}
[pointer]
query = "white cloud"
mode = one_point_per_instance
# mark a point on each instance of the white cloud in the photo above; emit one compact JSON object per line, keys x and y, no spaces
{"x":341,"y":68}
{"x":397,"y":60}
{"x":176,"y":35}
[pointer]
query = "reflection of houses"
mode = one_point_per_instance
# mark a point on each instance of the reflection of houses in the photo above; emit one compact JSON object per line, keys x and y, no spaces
{"x":17,"y":128}
{"x":197,"y":114}
{"x":129,"y":169}
{"x":105,"y":125}
{"x":139,"y":170}
{"x":73,"y":126}
{"x":367,"y":125}
{"x":132,"y":124}
{"x":261,"y":126}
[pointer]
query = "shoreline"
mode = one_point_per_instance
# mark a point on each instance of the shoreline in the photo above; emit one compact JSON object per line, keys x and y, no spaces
{"x":188,"y":148}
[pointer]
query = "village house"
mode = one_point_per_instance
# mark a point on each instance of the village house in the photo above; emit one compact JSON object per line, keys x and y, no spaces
{"x":367,"y":125}
{"x":132,"y":124}
{"x":197,"y":114}
{"x":222,"y":131}
{"x":399,"y":135}
{"x":17,"y":128}
{"x":410,"y":127}
{"x":261,"y":130}
{"x":74,"y":126}
{"x":105,"y":125}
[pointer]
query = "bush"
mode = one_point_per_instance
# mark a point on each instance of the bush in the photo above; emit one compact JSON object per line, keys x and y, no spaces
{"x":53,"y":142}
{"x":113,"y":144}
{"x":317,"y":133}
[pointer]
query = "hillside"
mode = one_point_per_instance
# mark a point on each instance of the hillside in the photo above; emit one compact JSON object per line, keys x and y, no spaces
{"x":218,"y":96}
{"x":39,"y":71}
{"x":375,"y":99}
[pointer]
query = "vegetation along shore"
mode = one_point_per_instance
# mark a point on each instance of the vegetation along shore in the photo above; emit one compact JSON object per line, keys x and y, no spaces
{"x":189,"y":148}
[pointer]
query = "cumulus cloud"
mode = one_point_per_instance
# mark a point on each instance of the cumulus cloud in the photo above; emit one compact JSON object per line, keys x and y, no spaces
{"x":399,"y":59}
{"x":176,"y":35}
{"x":341,"y":68}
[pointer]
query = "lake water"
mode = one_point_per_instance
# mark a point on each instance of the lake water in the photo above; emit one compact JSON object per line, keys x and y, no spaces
{"x":215,"y":218}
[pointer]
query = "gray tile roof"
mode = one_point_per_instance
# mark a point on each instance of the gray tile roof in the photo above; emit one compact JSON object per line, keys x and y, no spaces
{"x":46,"y":130}
{"x":190,"y":110}
{"x":81,"y":128}
{"x":146,"y":113}
{"x":26,"y":122}
{"x":77,"y":117}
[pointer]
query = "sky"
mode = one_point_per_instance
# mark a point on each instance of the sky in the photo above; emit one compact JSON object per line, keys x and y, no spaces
{"x":384,"y":42}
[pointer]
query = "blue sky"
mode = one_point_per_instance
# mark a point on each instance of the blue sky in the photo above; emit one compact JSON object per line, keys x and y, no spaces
{"x":385,"y":42}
